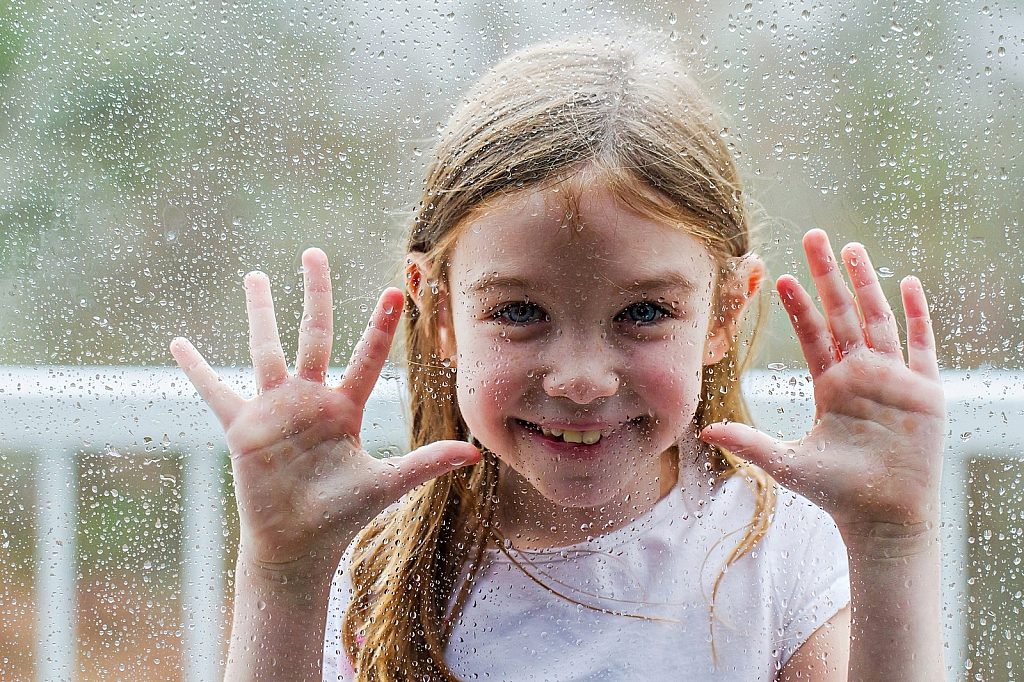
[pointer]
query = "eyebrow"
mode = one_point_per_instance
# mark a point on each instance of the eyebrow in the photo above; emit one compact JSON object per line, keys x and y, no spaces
{"x":673,"y":280}
{"x":495,"y":281}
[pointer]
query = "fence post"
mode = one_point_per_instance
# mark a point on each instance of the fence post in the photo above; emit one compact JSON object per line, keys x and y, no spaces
{"x":955,"y":531}
{"x":203,"y":570}
{"x":56,"y":584}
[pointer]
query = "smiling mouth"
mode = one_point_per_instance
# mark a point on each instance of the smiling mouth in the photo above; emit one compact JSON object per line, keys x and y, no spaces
{"x":590,"y":437}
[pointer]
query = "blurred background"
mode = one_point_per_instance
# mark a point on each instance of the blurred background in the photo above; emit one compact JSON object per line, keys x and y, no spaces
{"x":154,"y":151}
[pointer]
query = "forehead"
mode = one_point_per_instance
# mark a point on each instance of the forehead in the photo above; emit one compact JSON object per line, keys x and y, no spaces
{"x":563,"y":236}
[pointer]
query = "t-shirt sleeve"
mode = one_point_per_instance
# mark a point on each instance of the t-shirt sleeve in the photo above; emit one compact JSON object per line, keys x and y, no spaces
{"x":813,"y":576}
{"x":336,"y":665}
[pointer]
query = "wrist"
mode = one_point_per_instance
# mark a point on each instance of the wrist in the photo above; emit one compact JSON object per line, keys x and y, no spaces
{"x":299,"y":580}
{"x":280,"y":610}
{"x":886,"y":542}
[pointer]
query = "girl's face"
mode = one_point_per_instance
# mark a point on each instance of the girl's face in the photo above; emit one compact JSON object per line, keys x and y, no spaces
{"x":580,"y":347}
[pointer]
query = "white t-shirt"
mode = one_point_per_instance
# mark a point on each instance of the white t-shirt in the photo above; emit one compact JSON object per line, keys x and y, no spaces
{"x":662,"y":567}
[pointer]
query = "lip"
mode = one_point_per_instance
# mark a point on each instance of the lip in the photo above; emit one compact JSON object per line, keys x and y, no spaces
{"x":562,"y":447}
{"x":579,"y":426}
{"x":596,"y":425}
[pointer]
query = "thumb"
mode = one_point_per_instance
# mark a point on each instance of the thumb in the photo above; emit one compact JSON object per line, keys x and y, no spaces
{"x":774,"y":456}
{"x":429,"y":462}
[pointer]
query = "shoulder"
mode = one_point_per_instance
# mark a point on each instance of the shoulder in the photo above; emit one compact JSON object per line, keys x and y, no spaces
{"x":809,"y":568}
{"x":801,"y":551}
{"x":794,"y":517}
{"x":805,"y":556}
{"x":800,"y":564}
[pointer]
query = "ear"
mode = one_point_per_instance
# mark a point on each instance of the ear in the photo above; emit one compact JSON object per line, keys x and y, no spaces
{"x":738,"y":288}
{"x":436,"y":306}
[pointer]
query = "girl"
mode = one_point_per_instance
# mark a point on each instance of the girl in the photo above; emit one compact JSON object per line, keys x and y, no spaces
{"x":585,"y":500}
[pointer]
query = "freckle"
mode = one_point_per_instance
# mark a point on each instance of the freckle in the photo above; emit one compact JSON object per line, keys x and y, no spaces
{"x":909,"y":424}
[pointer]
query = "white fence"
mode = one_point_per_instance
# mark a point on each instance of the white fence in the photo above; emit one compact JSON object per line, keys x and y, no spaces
{"x":57,"y":412}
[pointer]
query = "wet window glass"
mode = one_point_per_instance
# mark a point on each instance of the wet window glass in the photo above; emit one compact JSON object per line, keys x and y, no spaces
{"x":153,"y":153}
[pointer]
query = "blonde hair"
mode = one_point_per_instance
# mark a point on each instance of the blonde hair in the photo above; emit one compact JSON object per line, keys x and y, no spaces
{"x":622,"y":109}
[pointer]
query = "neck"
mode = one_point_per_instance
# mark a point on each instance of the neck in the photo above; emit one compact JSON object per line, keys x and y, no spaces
{"x":531,"y":521}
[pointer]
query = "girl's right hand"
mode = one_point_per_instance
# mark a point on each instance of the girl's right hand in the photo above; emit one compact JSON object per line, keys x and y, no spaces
{"x":303,"y":483}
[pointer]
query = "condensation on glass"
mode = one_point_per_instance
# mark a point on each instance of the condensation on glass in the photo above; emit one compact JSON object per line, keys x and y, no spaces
{"x":152,"y":153}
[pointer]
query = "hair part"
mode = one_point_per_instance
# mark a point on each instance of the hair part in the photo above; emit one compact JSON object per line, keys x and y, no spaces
{"x":620,"y":109}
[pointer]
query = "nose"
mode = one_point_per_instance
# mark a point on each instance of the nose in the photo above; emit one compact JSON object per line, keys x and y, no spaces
{"x":580,"y":367}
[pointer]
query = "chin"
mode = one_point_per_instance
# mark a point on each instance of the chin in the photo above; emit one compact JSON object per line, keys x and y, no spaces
{"x":579,"y":494}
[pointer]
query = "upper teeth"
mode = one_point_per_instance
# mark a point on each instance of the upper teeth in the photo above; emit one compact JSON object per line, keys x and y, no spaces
{"x":570,"y":436}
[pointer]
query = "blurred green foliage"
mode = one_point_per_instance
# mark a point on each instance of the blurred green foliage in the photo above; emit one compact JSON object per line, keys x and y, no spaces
{"x":17,"y":532}
{"x":13,"y":32}
{"x":154,"y":153}
{"x":129,"y":515}
{"x":17,"y":563}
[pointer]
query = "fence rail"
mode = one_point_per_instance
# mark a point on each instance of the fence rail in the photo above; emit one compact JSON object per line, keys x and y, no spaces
{"x":58,"y":412}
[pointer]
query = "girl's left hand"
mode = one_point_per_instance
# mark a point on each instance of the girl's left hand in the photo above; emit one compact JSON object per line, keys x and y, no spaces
{"x":874,"y":455}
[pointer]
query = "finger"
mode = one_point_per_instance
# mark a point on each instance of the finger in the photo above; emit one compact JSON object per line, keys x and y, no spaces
{"x":428,"y":462}
{"x":920,"y":337}
{"x":371,"y":352}
{"x":264,"y":342}
{"x":836,"y":299}
{"x":879,"y":323}
{"x":776,"y":457}
{"x":224,"y":402}
{"x":316,"y":332}
{"x":810,"y":326}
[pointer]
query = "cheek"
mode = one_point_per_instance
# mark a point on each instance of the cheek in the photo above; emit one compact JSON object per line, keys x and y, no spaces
{"x":489,"y":379}
{"x":671,"y":380}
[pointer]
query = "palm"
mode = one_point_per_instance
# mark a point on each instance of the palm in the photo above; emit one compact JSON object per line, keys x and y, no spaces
{"x":284,"y":484}
{"x":874,"y":452}
{"x":303,"y":483}
{"x":871,"y":452}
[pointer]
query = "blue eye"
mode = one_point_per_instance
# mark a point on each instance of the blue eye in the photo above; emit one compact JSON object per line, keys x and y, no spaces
{"x":642,"y":313}
{"x":521,"y":313}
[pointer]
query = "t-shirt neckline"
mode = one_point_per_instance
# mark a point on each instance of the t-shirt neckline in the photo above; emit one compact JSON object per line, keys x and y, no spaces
{"x":677,"y":500}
